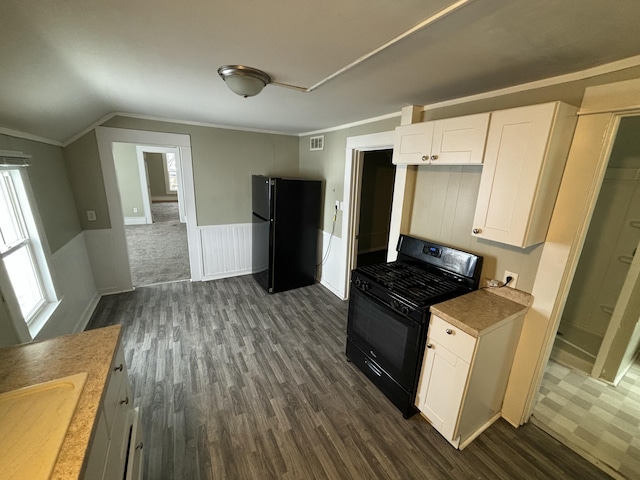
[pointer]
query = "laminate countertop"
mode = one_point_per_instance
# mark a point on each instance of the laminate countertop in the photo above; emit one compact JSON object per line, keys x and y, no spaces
{"x":481,"y":311}
{"x":37,"y":362}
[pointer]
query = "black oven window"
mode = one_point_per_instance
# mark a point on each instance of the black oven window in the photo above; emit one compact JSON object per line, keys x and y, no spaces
{"x":388,"y":336}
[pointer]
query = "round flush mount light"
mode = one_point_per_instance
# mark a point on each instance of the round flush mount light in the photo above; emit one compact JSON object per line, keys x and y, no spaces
{"x":244,"y":81}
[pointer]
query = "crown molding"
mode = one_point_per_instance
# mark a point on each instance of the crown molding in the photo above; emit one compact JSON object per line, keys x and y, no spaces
{"x":28,"y":136}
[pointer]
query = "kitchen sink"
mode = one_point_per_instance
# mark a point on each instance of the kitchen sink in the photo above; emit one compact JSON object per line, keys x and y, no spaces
{"x":33,"y":424}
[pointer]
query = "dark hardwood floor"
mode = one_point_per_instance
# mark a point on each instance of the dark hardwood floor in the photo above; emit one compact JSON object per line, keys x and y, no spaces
{"x":233,"y":383}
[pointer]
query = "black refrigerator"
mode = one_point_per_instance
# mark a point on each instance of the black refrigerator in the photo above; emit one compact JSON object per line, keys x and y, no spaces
{"x":286,"y":221}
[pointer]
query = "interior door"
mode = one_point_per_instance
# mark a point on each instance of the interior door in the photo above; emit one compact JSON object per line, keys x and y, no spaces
{"x":622,"y":340}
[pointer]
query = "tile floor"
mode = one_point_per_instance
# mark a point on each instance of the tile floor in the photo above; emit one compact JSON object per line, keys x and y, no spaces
{"x":592,"y":417}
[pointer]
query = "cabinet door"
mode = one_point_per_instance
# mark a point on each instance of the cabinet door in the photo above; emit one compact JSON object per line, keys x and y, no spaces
{"x":460,"y":140}
{"x":516,"y":149}
{"x":412,"y":144}
{"x":441,"y":388}
{"x":98,"y":452}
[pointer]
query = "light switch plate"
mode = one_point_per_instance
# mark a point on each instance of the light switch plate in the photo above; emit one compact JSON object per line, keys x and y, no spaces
{"x":91,"y":215}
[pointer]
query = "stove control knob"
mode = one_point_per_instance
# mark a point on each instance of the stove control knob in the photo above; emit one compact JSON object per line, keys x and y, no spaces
{"x":358,"y":283}
{"x":405,"y":310}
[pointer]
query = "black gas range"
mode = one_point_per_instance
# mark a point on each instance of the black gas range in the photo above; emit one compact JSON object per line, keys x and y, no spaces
{"x":389,"y":312}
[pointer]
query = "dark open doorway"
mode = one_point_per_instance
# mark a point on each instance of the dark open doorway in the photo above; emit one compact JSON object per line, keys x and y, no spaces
{"x":376,"y":195}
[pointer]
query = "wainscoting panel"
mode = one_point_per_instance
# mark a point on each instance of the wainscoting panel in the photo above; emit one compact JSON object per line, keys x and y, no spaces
{"x":226,"y":250}
{"x":104,"y":259}
{"x":331,"y":273}
{"x":74,"y":282}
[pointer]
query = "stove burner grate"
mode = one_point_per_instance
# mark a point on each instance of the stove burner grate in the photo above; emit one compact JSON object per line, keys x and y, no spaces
{"x":410,"y":282}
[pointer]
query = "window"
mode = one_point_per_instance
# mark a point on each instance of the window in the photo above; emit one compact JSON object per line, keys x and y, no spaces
{"x":20,"y":248}
{"x":170,"y":172}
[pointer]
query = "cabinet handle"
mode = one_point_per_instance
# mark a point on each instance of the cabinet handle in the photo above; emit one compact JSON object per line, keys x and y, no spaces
{"x":449,"y":331}
{"x":425,"y":158}
{"x":125,"y":401}
{"x":139,"y":446}
{"x":434,"y":157}
{"x":477,"y":230}
{"x":118,"y":368}
{"x":429,"y":345}
{"x":373,"y":369}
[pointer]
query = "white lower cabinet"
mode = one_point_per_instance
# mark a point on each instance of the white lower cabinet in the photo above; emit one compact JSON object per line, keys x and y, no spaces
{"x":464,"y":378}
{"x":113,"y":450}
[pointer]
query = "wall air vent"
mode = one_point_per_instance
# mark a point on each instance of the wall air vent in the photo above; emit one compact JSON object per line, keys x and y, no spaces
{"x":316,"y":143}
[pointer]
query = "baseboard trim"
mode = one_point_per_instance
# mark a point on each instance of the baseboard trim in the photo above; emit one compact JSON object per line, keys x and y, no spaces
{"x":218,"y":276}
{"x":135,"y":221}
{"x":332,"y":288}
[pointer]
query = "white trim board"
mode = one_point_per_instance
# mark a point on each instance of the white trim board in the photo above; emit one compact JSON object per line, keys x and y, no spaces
{"x":27,"y":136}
{"x":152,"y":118}
{"x":135,"y":221}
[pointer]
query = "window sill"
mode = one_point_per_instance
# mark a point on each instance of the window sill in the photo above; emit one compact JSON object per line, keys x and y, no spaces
{"x":43,"y":316}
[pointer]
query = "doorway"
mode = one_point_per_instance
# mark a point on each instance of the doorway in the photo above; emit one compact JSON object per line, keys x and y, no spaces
{"x":591,"y":386}
{"x":607,"y":256}
{"x":150,"y":189}
{"x":374,"y":218}
{"x":347,"y":254}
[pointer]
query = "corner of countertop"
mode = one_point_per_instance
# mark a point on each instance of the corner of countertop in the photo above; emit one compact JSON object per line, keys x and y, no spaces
{"x":519,"y":296}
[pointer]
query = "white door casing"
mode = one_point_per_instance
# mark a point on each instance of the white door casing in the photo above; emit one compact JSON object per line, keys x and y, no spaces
{"x":120,"y":275}
{"x":179,"y":173}
{"x":144,"y":184}
{"x":352,"y":178}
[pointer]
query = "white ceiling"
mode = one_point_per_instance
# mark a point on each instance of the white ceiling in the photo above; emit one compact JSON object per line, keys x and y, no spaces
{"x":68,"y":63}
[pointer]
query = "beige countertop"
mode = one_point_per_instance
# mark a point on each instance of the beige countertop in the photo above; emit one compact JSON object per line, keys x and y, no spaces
{"x":33,"y":363}
{"x":481,"y":311}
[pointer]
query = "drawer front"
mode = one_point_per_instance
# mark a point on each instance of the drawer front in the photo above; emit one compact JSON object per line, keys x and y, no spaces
{"x":452,"y":338}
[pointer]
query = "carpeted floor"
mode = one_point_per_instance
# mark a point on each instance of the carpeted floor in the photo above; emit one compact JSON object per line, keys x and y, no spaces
{"x":158,"y":252}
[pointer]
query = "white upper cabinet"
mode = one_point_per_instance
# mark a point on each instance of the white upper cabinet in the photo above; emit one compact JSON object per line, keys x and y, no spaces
{"x":452,"y":141}
{"x":524,"y":159}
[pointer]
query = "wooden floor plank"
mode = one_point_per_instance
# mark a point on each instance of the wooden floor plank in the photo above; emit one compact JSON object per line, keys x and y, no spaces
{"x":233,"y":383}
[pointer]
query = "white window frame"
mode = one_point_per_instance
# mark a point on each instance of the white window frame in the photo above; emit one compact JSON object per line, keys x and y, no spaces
{"x":40,"y":255}
{"x":167,"y":178}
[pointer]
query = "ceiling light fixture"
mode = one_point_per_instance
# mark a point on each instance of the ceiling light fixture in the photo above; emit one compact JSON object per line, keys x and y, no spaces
{"x":244,"y":81}
{"x":248,"y":81}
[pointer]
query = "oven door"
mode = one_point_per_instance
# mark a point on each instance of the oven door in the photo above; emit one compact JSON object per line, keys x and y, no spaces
{"x":393,"y":341}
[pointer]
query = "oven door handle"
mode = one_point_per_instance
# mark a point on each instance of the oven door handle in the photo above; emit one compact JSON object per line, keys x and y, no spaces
{"x":373,"y":368}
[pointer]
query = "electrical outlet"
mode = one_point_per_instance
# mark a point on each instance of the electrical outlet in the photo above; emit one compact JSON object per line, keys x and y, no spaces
{"x":135,"y":210}
{"x":91,"y":215}
{"x":514,"y":280}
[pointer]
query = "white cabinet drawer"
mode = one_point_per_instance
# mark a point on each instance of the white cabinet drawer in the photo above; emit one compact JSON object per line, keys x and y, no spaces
{"x":452,"y":338}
